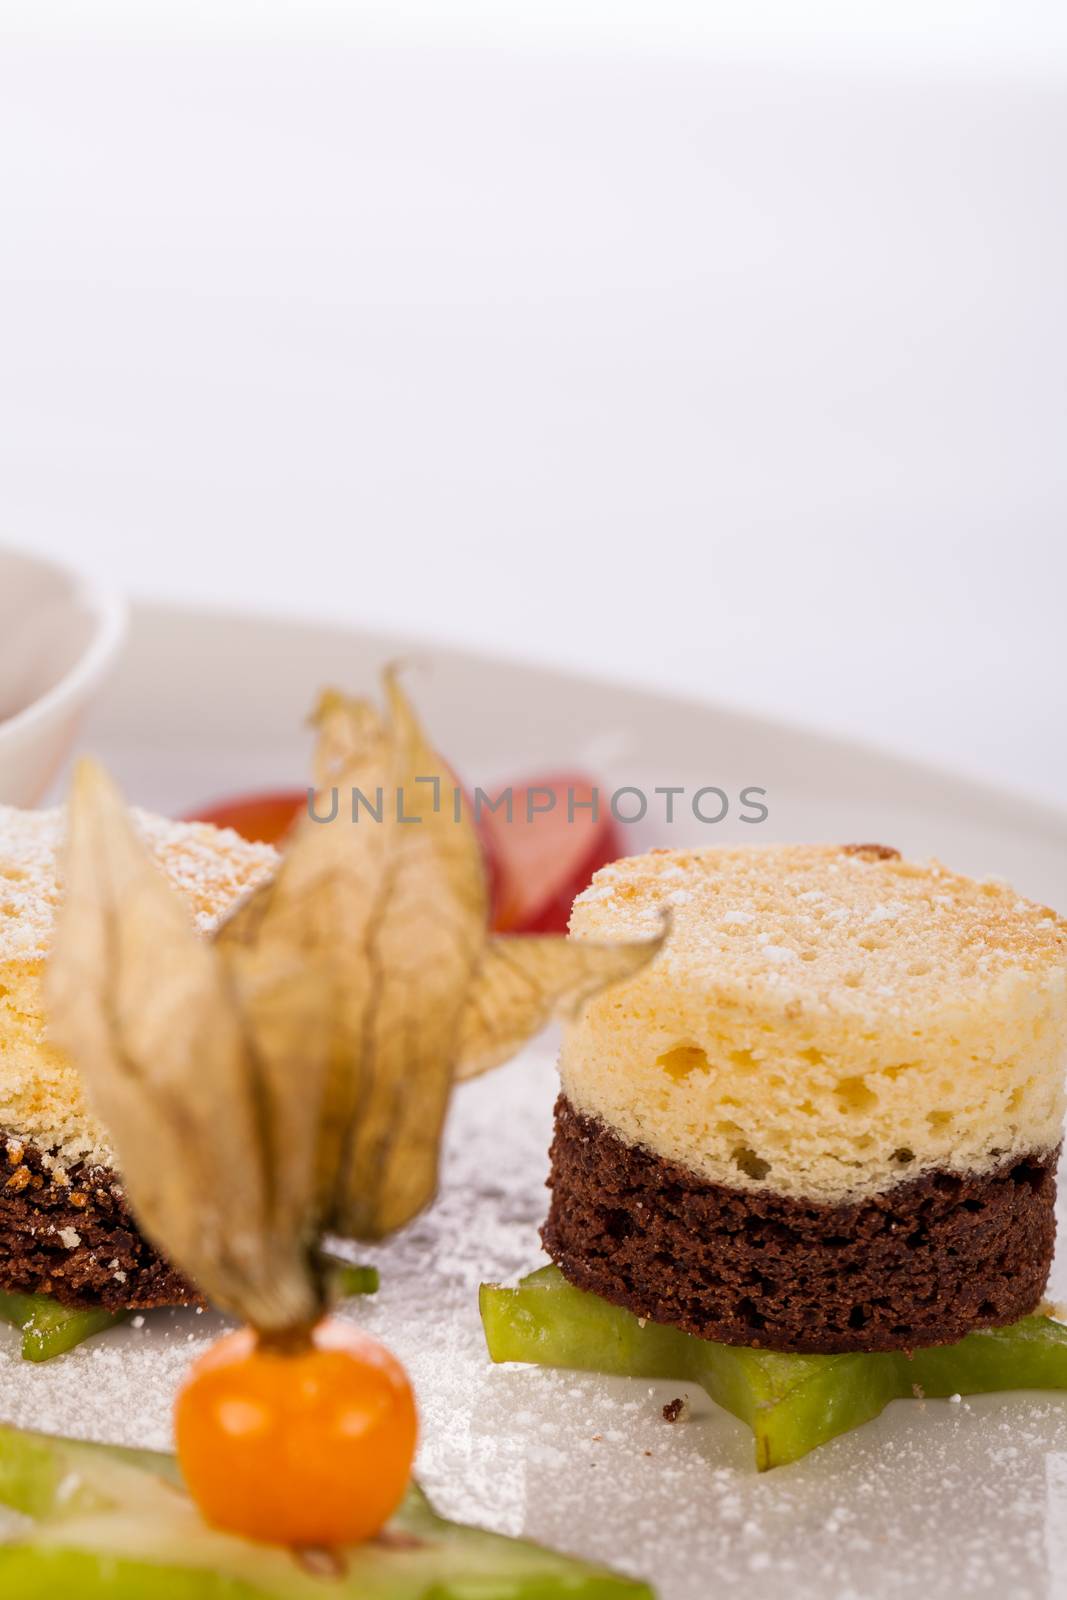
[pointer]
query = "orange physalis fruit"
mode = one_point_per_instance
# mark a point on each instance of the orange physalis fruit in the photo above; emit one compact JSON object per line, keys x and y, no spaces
{"x":305,"y":1447}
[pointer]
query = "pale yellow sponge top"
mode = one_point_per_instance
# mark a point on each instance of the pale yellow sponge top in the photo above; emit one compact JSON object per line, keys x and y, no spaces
{"x":824,"y":1021}
{"x":40,"y":1092}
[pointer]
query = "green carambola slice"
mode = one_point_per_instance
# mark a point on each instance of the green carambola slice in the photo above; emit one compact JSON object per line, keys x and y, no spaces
{"x":112,"y":1524}
{"x":49,"y":1329}
{"x":792,"y":1403}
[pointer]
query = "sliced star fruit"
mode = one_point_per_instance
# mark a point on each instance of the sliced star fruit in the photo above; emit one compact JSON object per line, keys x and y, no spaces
{"x":49,"y":1329}
{"x":353,"y":1280}
{"x":114,"y":1524}
{"x":792,"y":1403}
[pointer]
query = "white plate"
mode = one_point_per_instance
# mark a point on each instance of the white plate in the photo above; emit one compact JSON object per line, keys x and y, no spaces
{"x":934,"y":1498}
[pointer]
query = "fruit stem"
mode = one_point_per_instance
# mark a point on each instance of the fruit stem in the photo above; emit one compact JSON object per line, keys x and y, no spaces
{"x":295,"y":1341}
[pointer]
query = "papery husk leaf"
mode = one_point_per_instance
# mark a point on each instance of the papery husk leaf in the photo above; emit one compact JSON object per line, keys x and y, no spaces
{"x":524,"y":979}
{"x":350,"y":733}
{"x":286,"y":1016}
{"x":145,"y":1009}
{"x":427,"y":936}
{"x":319,"y":910}
{"x":393,"y":911}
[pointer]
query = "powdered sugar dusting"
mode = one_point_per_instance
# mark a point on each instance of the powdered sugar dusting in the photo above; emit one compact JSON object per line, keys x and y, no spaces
{"x":867,"y":926}
{"x":210,"y":867}
{"x":933,"y":1498}
{"x":41,"y":1095}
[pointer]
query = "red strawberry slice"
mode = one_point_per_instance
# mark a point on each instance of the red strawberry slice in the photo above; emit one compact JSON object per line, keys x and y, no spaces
{"x":548,"y":850}
{"x":536,"y":859}
{"x":267,"y":818}
{"x":262,"y":818}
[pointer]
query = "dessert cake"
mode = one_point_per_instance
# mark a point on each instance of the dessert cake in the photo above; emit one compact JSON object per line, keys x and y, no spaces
{"x":828,"y":1116}
{"x":65,"y":1229}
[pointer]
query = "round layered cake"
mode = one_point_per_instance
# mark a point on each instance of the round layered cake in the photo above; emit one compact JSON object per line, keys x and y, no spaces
{"x":827,"y":1116}
{"x":65,"y":1228}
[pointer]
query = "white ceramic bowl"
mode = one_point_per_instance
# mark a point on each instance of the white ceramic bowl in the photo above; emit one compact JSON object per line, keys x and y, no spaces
{"x":59,"y":634}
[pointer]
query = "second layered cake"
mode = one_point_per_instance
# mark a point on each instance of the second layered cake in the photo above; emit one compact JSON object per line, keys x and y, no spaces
{"x":828,"y":1116}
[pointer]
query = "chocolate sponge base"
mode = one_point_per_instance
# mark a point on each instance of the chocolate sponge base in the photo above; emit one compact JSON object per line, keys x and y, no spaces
{"x":925,"y":1262}
{"x":75,"y":1240}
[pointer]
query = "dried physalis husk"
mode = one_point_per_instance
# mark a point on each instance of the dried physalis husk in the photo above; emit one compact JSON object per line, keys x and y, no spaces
{"x":311,"y":1049}
{"x":399,"y":944}
{"x":427,"y":939}
{"x":524,"y":979}
{"x":206,"y":1142}
{"x":318,"y":913}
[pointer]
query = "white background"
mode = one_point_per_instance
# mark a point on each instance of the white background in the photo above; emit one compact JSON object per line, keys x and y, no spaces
{"x":721,"y":347}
